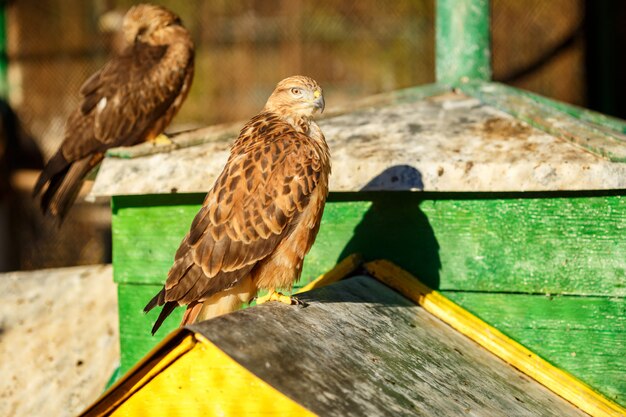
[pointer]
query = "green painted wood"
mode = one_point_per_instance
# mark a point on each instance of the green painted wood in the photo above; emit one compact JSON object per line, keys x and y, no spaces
{"x":145,"y":238}
{"x":135,"y":338}
{"x":594,"y":138}
{"x":519,"y":243}
{"x":548,"y":243}
{"x":585,"y":336}
{"x":462,"y":41}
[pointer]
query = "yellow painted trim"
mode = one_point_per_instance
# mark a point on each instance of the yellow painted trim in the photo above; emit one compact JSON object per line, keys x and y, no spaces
{"x":341,"y":270}
{"x":154,"y":362}
{"x":125,"y":391}
{"x":206,"y":381}
{"x":557,"y":380}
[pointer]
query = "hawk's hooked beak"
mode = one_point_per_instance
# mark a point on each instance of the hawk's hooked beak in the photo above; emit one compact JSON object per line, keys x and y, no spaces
{"x":319,"y":101}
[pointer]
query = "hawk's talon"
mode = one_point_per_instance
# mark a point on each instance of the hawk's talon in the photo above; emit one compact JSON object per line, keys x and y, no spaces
{"x":161,"y":140}
{"x":281,"y":298}
{"x":299,"y":302}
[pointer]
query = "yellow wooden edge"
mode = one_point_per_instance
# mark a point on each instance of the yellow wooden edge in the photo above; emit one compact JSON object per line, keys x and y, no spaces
{"x":205,"y":380}
{"x":560,"y":382}
{"x":341,"y":270}
{"x":266,"y":397}
{"x":163,"y":360}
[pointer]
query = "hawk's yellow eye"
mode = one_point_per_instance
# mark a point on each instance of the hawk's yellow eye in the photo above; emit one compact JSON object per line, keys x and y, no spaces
{"x":296,"y":91}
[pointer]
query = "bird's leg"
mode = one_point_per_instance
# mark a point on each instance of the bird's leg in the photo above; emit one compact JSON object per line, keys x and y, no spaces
{"x":272,"y":295}
{"x":161,"y":140}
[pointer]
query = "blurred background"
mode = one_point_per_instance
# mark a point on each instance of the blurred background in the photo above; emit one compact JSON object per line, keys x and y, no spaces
{"x":564,"y":49}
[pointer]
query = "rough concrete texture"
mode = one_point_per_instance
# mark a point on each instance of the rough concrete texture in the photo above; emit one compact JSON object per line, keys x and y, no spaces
{"x":58,"y":339}
{"x":449,"y":142}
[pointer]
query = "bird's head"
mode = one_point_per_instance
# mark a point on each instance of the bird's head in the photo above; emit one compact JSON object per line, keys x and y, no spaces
{"x":150,"y":24}
{"x":298,"y":96}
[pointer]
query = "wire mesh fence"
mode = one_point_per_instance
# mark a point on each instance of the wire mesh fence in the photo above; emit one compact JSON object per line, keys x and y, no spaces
{"x":540,"y":46}
{"x":354,"y":48}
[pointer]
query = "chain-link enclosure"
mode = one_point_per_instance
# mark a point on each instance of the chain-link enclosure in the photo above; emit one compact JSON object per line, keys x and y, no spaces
{"x":353,"y":48}
{"x":243,"y":48}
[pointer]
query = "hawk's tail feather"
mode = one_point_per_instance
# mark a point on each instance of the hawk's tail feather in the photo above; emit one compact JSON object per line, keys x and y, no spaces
{"x":165,"y":311}
{"x":56,"y":165}
{"x":157,"y":300}
{"x":64,"y":186}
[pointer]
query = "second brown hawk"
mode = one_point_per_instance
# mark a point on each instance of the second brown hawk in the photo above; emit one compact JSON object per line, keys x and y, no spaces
{"x":261,"y":216}
{"x":132,"y":99}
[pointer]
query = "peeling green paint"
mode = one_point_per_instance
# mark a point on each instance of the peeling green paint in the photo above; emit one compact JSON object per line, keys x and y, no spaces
{"x":463,"y":41}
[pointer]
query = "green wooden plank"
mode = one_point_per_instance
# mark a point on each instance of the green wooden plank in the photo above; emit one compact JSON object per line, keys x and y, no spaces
{"x":585,"y":336}
{"x":145,"y":240}
{"x":462,"y":41}
{"x":504,"y":243}
{"x":135,"y":326}
{"x":529,"y":245}
{"x":603,"y":142}
{"x":532,"y":245}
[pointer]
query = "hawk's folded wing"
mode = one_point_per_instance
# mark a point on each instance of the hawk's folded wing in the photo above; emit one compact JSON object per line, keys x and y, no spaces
{"x":255,"y":202}
{"x":123,"y":101}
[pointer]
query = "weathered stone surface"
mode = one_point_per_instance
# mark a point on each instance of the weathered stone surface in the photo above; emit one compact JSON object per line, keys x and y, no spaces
{"x":445,"y":143}
{"x":58,"y":339}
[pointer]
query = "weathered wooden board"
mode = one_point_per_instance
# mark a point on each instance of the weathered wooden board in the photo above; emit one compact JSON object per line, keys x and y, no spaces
{"x":361,"y":349}
{"x":226,"y":133}
{"x":585,"y":336}
{"x":145,"y":238}
{"x":552,"y":243}
{"x":582,"y":335}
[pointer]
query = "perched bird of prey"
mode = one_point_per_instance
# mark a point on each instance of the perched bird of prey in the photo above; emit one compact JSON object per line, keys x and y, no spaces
{"x":262,"y":214}
{"x":130,"y":100}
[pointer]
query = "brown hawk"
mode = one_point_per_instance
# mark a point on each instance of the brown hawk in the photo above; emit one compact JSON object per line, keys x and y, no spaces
{"x":262,"y":214}
{"x":130,"y":100}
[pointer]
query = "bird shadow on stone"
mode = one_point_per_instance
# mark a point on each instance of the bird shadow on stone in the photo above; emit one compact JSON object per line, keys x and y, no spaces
{"x":396,"y":178}
{"x":394,"y":227}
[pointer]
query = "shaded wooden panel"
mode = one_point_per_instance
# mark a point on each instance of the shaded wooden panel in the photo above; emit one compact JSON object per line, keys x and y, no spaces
{"x":501,"y":243}
{"x":585,"y":336}
{"x":360,"y":348}
{"x":135,"y":338}
{"x":506,"y":243}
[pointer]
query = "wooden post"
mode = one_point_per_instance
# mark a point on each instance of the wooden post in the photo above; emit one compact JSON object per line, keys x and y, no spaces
{"x":463,"y":42}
